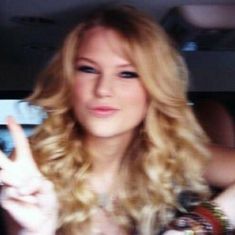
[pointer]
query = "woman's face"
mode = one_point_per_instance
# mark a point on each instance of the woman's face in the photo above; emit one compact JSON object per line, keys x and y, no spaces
{"x":108,"y":97}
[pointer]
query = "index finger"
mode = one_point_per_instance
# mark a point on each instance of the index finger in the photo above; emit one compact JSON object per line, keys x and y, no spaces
{"x":21,"y":143}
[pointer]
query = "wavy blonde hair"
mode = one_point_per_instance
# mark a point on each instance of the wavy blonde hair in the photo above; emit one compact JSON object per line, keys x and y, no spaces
{"x":167,"y":155}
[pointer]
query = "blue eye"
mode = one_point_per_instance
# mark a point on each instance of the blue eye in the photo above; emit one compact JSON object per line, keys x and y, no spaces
{"x":86,"y":69}
{"x":129,"y":74}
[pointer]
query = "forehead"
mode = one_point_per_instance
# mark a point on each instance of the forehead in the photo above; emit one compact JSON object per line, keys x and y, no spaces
{"x":103,"y":39}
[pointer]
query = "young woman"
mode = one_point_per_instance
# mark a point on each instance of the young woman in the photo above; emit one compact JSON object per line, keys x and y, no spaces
{"x":120,"y":145}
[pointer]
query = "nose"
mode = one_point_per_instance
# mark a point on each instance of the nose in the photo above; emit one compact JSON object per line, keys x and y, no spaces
{"x":104,"y":86}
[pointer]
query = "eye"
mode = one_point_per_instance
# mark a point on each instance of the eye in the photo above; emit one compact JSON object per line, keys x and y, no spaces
{"x":128,"y":74}
{"x":86,"y":69}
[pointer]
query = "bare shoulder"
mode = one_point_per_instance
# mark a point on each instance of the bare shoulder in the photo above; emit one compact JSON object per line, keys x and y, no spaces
{"x":220,"y":171}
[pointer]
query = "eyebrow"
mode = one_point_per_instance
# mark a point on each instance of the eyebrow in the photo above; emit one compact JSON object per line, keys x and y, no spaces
{"x":86,"y":59}
{"x":93,"y":62}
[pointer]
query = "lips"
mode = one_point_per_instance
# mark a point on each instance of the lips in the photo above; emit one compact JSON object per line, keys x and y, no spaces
{"x":103,"y":111}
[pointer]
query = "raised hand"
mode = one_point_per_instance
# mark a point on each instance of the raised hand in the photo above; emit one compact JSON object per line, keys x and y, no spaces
{"x":26,"y":195}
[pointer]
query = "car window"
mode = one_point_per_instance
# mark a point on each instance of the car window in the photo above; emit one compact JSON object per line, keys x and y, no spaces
{"x":26,"y":115}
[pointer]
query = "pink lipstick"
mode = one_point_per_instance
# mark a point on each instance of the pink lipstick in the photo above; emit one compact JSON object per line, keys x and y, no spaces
{"x":103,"y":111}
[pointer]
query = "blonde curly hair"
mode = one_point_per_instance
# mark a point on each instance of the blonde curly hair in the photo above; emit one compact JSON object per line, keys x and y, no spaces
{"x":167,"y":154}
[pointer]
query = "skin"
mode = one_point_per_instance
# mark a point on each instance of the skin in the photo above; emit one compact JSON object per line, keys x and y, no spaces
{"x":220,"y":170}
{"x":106,"y":80}
{"x":105,"y":77}
{"x":26,"y":195}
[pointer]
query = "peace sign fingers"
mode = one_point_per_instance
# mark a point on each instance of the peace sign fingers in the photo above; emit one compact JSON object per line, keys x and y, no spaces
{"x":25,"y":194}
{"x":22,"y":148}
{"x":19,"y":139}
{"x":23,"y":167}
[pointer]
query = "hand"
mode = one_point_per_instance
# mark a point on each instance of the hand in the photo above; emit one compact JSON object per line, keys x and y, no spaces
{"x":26,"y":195}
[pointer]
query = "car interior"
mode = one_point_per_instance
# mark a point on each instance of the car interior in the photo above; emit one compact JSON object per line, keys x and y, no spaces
{"x":202,"y":30}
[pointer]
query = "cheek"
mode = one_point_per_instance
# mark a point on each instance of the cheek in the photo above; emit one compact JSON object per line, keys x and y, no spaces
{"x":78,"y":104}
{"x":78,"y":97}
{"x":137,"y":101}
{"x":79,"y":91}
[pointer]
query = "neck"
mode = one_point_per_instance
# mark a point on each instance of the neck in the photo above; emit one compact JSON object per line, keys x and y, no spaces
{"x":106,"y":155}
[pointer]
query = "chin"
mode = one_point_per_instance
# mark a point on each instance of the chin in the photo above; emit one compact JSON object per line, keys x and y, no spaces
{"x":106,"y":132}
